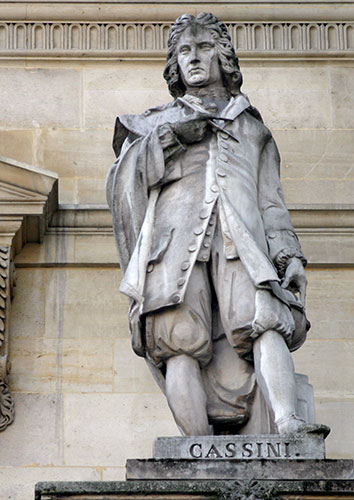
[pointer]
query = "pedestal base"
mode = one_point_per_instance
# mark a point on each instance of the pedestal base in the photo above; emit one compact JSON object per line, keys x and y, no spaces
{"x":304,"y":489}
{"x":240,"y":469}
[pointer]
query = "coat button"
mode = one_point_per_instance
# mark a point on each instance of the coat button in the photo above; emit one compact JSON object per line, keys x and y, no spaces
{"x":206,"y":244}
{"x":181,"y":282}
{"x":192,"y":248}
{"x":185,"y":265}
{"x":272,"y":235}
{"x":198,"y":230}
{"x":223,"y":157}
{"x":221,"y":172}
{"x":224,"y":145}
{"x":209,"y":200}
{"x":176,"y":298}
{"x":204,"y":257}
{"x":204,"y":213}
{"x":208,"y":233}
{"x":150,"y":268}
{"x":214,"y":188}
{"x":224,"y":135}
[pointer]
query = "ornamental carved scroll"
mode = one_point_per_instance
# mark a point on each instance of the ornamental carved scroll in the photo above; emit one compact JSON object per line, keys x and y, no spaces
{"x":7,"y":282}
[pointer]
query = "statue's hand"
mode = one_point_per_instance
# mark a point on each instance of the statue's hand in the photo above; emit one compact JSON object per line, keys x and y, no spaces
{"x":191,"y":129}
{"x":295,"y":278}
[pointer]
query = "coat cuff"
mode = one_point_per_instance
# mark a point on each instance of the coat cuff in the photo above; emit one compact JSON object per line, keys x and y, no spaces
{"x":284,"y":245}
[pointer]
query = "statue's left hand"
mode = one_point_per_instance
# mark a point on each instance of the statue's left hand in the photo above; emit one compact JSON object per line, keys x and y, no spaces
{"x":295,"y":278}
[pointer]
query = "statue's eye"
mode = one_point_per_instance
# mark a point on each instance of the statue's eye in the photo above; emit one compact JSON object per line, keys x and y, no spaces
{"x":205,"y":46}
{"x":184,"y":49}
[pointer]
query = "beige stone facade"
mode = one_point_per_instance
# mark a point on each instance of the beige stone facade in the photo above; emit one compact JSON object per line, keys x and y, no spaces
{"x":84,"y":402}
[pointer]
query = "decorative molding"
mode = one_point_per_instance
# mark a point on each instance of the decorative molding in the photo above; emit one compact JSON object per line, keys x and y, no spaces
{"x":149,"y":39}
{"x":28,"y":199}
{"x":7,"y":282}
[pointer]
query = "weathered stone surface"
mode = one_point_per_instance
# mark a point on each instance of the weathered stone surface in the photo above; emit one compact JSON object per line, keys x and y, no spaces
{"x":87,"y":247}
{"x":341,"y":365}
{"x":55,"y":97}
{"x":99,"y":430}
{"x":51,"y":308}
{"x":37,"y":431}
{"x":342,"y":100}
{"x":17,"y":483}
{"x":339,"y":415}
{"x":28,"y":309}
{"x":240,"y":469}
{"x":316,"y":164}
{"x":274,"y":91}
{"x":101,"y":107}
{"x":304,"y":446}
{"x":71,"y":364}
{"x":197,"y":490}
{"x":334,"y":288}
{"x":18,"y":144}
{"x":131,"y":373}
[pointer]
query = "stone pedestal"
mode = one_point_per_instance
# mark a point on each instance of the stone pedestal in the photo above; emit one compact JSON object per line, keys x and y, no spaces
{"x":301,"y":489}
{"x":264,"y":467}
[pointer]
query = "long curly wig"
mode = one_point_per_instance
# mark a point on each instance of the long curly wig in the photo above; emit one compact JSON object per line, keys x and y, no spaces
{"x":227,"y":58}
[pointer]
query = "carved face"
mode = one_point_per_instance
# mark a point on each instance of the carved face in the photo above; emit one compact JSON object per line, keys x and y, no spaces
{"x":198,"y":59}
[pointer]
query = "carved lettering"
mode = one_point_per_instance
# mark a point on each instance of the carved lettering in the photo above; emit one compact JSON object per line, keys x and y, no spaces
{"x":213,"y":449}
{"x":213,"y":452}
{"x":192,"y":450}
{"x":247,"y":451}
{"x":272,"y":450}
{"x":231,"y":449}
{"x":287,"y":454}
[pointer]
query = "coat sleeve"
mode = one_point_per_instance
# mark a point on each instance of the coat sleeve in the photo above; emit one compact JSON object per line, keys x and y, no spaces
{"x":280,"y":235}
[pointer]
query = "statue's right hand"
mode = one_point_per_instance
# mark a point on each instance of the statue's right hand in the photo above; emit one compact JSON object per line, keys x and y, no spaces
{"x":191,"y":129}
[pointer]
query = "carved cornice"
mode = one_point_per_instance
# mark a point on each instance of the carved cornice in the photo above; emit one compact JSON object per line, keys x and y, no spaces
{"x":80,"y":40}
{"x":28,"y":198}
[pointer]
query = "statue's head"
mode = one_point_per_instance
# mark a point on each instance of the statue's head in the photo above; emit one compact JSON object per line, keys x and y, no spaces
{"x":204,"y":27}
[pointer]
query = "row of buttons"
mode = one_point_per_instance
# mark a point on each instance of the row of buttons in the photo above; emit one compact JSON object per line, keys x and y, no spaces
{"x":204,"y":214}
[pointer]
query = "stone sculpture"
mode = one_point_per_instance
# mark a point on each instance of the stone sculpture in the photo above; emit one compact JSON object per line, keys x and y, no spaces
{"x":211,"y":262}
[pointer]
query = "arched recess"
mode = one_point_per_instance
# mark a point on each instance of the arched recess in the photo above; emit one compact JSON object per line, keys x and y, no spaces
{"x":28,"y":199}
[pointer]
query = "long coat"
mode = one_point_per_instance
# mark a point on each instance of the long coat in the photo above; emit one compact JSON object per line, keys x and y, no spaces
{"x":242,"y":176}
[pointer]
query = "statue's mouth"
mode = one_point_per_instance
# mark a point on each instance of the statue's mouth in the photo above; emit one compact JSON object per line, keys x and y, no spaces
{"x":195,"y":70}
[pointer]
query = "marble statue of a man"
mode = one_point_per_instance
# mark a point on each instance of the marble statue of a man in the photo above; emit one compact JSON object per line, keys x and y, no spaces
{"x":210,"y":259}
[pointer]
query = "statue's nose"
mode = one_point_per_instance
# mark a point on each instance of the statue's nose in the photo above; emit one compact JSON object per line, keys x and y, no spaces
{"x":194,"y":55}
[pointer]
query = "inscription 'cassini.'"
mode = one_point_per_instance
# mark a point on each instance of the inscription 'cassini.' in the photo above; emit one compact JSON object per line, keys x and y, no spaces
{"x":232,"y":449}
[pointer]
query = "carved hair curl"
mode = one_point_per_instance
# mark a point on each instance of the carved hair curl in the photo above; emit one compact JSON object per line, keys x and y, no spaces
{"x":227,"y":58}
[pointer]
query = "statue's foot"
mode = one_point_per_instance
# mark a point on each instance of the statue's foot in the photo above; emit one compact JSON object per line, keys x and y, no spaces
{"x":290,"y":424}
{"x":296,"y":425}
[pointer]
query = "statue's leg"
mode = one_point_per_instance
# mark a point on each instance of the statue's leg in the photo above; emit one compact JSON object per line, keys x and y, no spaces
{"x":180,"y":337}
{"x":274,"y":370}
{"x":186,"y":395}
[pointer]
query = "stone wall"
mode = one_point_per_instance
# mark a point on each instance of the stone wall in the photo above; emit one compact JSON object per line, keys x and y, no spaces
{"x":84,"y":402}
